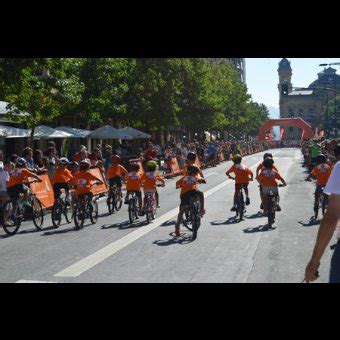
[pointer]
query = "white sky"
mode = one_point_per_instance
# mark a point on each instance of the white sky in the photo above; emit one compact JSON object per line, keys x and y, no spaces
{"x":262,"y":77}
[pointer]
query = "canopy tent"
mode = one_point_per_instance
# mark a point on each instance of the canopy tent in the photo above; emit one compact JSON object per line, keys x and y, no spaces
{"x":76,"y":133}
{"x":109,"y":132}
{"x":3,"y":132}
{"x":46,"y":132}
{"x":136,"y":134}
{"x":13,"y":132}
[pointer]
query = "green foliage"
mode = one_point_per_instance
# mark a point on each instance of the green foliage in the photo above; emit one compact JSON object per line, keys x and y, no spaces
{"x":153,"y":93}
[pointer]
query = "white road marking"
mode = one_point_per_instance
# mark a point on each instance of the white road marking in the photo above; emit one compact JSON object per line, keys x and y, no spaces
{"x":92,"y":260}
{"x":33,"y":281}
{"x":213,"y":173}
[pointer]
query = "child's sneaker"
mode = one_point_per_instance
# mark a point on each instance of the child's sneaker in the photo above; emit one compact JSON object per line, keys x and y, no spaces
{"x":234,"y":208}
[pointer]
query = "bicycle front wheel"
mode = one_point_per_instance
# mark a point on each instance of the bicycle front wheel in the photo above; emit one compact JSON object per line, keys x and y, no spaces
{"x":11,"y":222}
{"x":38,"y":213}
{"x":131,"y":212}
{"x":68,"y":211}
{"x":111,"y":203}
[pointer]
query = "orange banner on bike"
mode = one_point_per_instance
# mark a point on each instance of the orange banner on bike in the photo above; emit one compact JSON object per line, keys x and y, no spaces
{"x":43,"y":191}
{"x":98,"y":189}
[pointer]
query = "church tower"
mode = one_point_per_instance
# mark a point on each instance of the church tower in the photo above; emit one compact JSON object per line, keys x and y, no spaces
{"x":285,"y":81}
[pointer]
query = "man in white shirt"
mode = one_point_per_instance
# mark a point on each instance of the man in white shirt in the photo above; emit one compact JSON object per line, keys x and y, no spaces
{"x":326,"y":231}
{"x":4,"y":177}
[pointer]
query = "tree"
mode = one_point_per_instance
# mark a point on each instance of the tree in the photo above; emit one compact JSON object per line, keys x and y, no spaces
{"x":37,"y":89}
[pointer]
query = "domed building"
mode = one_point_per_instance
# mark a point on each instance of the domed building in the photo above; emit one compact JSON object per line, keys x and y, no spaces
{"x":307,"y":104}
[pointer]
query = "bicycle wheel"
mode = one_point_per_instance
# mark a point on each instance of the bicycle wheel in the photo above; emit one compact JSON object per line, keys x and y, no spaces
{"x":131,"y":211}
{"x":38,"y":213}
{"x":93,"y":210}
{"x":241,"y":207}
{"x":186,"y":220}
{"x":270,"y":210}
{"x":195,"y":221}
{"x":118,"y":202}
{"x":68,"y":211}
{"x":111,"y":202}
{"x":11,"y":223}
{"x":79,"y":216}
{"x":56,"y":214}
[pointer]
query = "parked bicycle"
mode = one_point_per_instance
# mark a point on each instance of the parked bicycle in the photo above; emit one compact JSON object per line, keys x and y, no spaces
{"x":14,"y":213}
{"x":63,"y":206}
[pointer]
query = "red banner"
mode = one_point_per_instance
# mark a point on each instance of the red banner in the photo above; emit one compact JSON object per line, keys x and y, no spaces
{"x":43,"y":190}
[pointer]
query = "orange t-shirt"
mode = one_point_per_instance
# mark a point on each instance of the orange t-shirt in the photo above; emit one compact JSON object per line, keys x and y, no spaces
{"x":268,"y":178}
{"x":133,"y":181}
{"x":261,"y":167}
{"x":18,"y":176}
{"x":115,"y":171}
{"x":188,"y":183}
{"x":83,"y":180}
{"x":62,"y":175}
{"x":241,"y":172}
{"x":322,"y":173}
{"x":149,"y":180}
{"x":185,"y":169}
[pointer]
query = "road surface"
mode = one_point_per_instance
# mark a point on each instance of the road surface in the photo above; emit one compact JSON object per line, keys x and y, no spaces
{"x":225,"y":251}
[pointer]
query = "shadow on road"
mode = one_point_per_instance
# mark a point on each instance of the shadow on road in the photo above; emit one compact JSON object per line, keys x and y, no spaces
{"x":257,"y":215}
{"x":183,"y":239}
{"x":64,"y":231}
{"x":123,"y":225}
{"x":312,"y":222}
{"x":259,"y":229}
{"x":230,"y":220}
{"x":168,"y":224}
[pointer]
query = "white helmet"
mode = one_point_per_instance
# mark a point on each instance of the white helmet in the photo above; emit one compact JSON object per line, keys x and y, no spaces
{"x":63,"y":161}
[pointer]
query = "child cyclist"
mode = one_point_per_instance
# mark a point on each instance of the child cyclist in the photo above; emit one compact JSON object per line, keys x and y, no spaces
{"x":190,"y":161}
{"x":322,"y":172}
{"x":258,"y":171}
{"x":83,"y":179}
{"x":188,"y":185}
{"x":114,"y":173}
{"x":15,"y":184}
{"x":242,"y":177}
{"x":150,"y":179}
{"x":134,"y":184}
{"x":267,"y":179}
{"x":62,"y":178}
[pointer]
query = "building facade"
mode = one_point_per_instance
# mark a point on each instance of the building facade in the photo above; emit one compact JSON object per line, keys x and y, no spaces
{"x":308,"y":104}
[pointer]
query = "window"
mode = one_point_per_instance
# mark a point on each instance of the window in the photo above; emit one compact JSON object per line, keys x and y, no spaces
{"x":291,"y":113}
{"x":300,"y":112}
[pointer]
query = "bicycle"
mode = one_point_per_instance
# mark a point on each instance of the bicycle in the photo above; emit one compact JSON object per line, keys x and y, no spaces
{"x":150,"y":207}
{"x":62,"y":207}
{"x":240,"y":203}
{"x":85,"y":208}
{"x":272,"y":201}
{"x":14,"y":213}
{"x":114,"y":201}
{"x":133,"y":209}
{"x":192,"y":217}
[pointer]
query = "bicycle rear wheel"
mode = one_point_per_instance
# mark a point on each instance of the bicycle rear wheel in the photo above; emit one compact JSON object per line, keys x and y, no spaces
{"x":11,"y":223}
{"x":131,"y":211}
{"x":270,"y":212}
{"x":111,"y":202}
{"x":118,"y":202}
{"x":186,"y":219}
{"x":241,"y":207}
{"x":56,"y":214}
{"x":38,"y":213}
{"x":195,"y":222}
{"x":93,"y":210}
{"x":79,"y":217}
{"x":69,"y":211}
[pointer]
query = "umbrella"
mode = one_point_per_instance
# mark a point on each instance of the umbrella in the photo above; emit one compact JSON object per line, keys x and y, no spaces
{"x":45,"y":132}
{"x":13,"y":132}
{"x":76,"y":133}
{"x":109,"y":132}
{"x":136,"y":134}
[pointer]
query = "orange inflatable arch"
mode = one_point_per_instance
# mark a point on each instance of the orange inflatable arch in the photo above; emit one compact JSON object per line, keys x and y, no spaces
{"x":307,"y":131}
